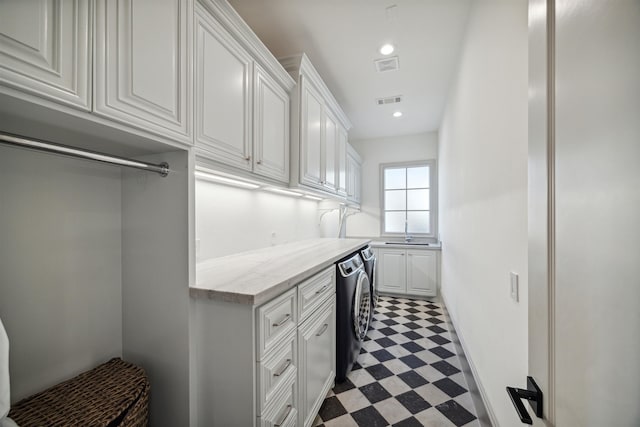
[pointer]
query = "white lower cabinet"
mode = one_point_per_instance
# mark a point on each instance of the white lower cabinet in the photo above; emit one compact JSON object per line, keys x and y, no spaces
{"x":316,"y":347}
{"x":267,"y":365}
{"x":283,"y":412}
{"x":408,"y":271}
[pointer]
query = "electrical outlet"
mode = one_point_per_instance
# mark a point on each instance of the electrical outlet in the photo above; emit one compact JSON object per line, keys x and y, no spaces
{"x":514,"y":286}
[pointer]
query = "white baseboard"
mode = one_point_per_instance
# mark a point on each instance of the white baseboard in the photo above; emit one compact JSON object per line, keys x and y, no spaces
{"x":485,"y":414}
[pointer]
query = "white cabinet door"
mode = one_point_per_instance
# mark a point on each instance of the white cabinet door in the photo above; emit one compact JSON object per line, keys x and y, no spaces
{"x":316,"y":344}
{"x":311,"y":134}
{"x":342,"y":162}
{"x":45,"y":49}
{"x":142,"y":66}
{"x":329,"y":152}
{"x":351,"y":178}
{"x":357,"y":186}
{"x":270,"y":128}
{"x":223,"y":94}
{"x":421,"y":272}
{"x":392,"y":274}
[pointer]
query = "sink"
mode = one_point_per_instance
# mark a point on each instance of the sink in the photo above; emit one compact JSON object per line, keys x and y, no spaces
{"x":407,"y":243}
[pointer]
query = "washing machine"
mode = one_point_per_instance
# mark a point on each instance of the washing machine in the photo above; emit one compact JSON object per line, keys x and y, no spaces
{"x":369,"y":259}
{"x":353,"y":307}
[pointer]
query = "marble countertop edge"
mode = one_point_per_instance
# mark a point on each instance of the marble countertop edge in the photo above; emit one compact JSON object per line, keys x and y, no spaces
{"x":257,"y":276}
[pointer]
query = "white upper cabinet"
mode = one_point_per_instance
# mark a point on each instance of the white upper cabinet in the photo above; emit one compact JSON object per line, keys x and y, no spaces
{"x":270,"y":127}
{"x":342,"y":162}
{"x":319,"y":129}
{"x":142,"y":63}
{"x":223,"y":94}
{"x":45,"y":49}
{"x":354,"y":176}
{"x":329,"y":156}
{"x":311,"y":134}
{"x":242,"y":96}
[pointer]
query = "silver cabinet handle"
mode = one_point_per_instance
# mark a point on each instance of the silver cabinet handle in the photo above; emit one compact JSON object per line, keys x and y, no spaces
{"x":322,"y":331}
{"x":287,"y":363}
{"x":247,"y":158}
{"x":322,"y":289}
{"x":286,"y":415}
{"x":283,"y":321}
{"x":259,"y":162}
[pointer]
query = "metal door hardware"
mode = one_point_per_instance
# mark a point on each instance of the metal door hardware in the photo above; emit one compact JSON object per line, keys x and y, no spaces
{"x":533,"y":394}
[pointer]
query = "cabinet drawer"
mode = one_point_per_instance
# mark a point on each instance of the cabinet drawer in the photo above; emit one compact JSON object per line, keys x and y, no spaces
{"x":275,"y":320}
{"x":313,"y":291}
{"x":283,"y":412}
{"x":274,"y":369}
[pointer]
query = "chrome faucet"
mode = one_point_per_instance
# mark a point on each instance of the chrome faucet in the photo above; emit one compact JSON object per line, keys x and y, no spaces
{"x":407,"y":238}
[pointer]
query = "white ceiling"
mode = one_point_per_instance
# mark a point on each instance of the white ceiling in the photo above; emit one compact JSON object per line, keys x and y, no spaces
{"x":342,"y":38}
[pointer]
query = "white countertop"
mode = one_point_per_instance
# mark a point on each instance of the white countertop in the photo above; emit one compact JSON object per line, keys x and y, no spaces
{"x":256,"y":276}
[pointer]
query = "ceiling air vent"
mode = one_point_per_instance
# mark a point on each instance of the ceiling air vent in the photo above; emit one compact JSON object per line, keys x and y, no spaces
{"x":387,"y":64}
{"x":389,"y":100}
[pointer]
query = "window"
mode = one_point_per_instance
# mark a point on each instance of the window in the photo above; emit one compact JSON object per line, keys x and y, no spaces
{"x":409,"y":199}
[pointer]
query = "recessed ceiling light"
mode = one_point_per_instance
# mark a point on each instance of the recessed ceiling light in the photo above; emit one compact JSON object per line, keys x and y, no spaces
{"x":397,"y":114}
{"x":387,"y":49}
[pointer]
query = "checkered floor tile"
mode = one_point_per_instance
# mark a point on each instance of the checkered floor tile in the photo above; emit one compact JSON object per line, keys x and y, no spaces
{"x":407,"y":374}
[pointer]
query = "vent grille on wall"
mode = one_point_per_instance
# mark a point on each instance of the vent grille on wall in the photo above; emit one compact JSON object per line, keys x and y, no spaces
{"x":389,"y":100}
{"x":387,"y":64}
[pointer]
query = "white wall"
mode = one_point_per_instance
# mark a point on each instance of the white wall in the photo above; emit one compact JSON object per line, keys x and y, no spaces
{"x":483,"y":199}
{"x":384,"y":150}
{"x":231,"y":220}
{"x":60,"y":266}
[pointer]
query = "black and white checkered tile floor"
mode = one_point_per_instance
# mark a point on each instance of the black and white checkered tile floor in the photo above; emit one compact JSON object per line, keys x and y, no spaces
{"x":407,"y":373}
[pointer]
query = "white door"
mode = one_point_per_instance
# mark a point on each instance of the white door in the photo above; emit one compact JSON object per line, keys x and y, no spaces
{"x":141,"y":65}
{"x":270,"y":128}
{"x":329,"y":154}
{"x":392,"y":270}
{"x":584,"y":145}
{"x":45,"y":49}
{"x":421,"y":272}
{"x":311,"y":134}
{"x":223,"y":94}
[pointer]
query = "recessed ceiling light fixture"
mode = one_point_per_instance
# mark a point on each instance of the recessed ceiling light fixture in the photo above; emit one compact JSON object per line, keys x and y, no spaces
{"x":387,"y":49}
{"x":397,"y":114}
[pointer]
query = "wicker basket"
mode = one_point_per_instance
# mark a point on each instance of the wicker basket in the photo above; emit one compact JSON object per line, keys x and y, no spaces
{"x":115,"y":393}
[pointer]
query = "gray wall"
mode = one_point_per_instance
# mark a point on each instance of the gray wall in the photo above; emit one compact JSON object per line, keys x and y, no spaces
{"x":483,"y":200}
{"x":60,"y":266}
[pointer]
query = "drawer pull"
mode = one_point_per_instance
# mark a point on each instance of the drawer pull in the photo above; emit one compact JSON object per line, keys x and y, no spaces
{"x":286,"y":415}
{"x":283,"y":321}
{"x":287,"y":363}
{"x":322,"y":331}
{"x":322,"y":289}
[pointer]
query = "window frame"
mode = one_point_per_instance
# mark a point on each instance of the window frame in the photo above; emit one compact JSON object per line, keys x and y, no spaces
{"x":433,"y":197}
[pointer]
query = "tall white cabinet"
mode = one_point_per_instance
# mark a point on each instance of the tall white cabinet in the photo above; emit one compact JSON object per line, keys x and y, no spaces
{"x":143,"y":63}
{"x":45,"y":49}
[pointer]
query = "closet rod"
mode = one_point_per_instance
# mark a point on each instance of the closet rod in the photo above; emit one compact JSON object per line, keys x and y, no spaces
{"x":18,"y":141}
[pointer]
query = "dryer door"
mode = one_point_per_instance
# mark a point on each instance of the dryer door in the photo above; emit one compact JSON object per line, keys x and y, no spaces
{"x":361,"y":305}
